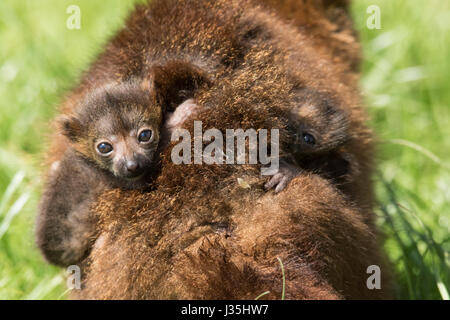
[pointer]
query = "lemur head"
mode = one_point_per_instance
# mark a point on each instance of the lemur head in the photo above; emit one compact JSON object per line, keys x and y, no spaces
{"x":318,"y":125}
{"x":117,"y":127}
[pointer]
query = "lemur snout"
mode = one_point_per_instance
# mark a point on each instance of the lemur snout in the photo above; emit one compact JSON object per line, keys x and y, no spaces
{"x":132,"y":166}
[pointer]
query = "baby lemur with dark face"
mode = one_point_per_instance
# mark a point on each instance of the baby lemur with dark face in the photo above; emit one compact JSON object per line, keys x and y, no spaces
{"x":114,"y":137}
{"x":117,"y":131}
{"x":318,"y":128}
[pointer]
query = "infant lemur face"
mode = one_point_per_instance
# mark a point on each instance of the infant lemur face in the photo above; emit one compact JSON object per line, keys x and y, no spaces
{"x":319,"y":125}
{"x":126,"y":148}
{"x":118,"y":128}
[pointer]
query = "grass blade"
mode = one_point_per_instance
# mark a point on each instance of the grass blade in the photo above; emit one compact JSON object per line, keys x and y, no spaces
{"x":262,"y":295}
{"x":12,"y":187}
{"x":284,"y":279}
{"x":15,"y":209}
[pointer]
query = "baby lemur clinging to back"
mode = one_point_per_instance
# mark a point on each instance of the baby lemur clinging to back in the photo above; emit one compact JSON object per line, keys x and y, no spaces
{"x":318,"y":128}
{"x":114,"y":137}
{"x":318,"y":124}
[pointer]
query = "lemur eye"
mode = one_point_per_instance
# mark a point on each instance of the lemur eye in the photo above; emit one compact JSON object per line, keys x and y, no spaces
{"x":145,"y":135}
{"x":309,"y":139}
{"x":104,"y":148}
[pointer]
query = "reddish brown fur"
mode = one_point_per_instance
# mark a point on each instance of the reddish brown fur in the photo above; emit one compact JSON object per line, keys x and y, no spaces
{"x":198,"y":234}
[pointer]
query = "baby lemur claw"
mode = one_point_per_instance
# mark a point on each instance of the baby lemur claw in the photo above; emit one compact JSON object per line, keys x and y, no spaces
{"x":281,"y":178}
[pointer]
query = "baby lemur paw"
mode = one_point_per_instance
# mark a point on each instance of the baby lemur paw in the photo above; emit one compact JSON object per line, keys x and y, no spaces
{"x":181,"y":114}
{"x":282,"y":176}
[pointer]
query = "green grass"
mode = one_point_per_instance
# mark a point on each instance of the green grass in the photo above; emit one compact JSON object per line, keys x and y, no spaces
{"x":407,"y":91}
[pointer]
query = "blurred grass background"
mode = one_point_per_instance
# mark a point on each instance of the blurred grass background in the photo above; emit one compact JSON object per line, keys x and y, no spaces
{"x":406,"y":85}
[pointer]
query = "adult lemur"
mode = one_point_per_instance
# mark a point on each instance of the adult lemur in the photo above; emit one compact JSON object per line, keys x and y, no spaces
{"x":197,"y":233}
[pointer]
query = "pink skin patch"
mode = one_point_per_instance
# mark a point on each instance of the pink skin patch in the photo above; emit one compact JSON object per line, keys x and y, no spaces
{"x":182,"y":113}
{"x":175,"y":119}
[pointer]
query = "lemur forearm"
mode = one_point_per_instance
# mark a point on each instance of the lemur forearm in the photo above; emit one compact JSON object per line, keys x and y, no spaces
{"x":65,"y":227}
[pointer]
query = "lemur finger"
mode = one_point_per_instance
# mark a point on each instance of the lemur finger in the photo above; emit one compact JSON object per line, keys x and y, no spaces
{"x":273,"y":181}
{"x":283,"y":184}
{"x":271,"y":171}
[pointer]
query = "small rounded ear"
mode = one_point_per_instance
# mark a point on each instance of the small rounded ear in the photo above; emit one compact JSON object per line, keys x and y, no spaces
{"x":70,"y":127}
{"x":175,"y":82}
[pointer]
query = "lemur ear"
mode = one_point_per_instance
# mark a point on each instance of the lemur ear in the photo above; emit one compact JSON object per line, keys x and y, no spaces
{"x":70,"y":127}
{"x":176,"y":82}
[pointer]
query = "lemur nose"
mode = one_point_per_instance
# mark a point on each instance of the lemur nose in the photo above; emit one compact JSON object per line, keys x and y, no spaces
{"x":132,"y":165}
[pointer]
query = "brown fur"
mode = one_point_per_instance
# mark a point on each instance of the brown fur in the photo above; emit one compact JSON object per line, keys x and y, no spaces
{"x":65,"y":227}
{"x":116,"y":115}
{"x":199,"y":234}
